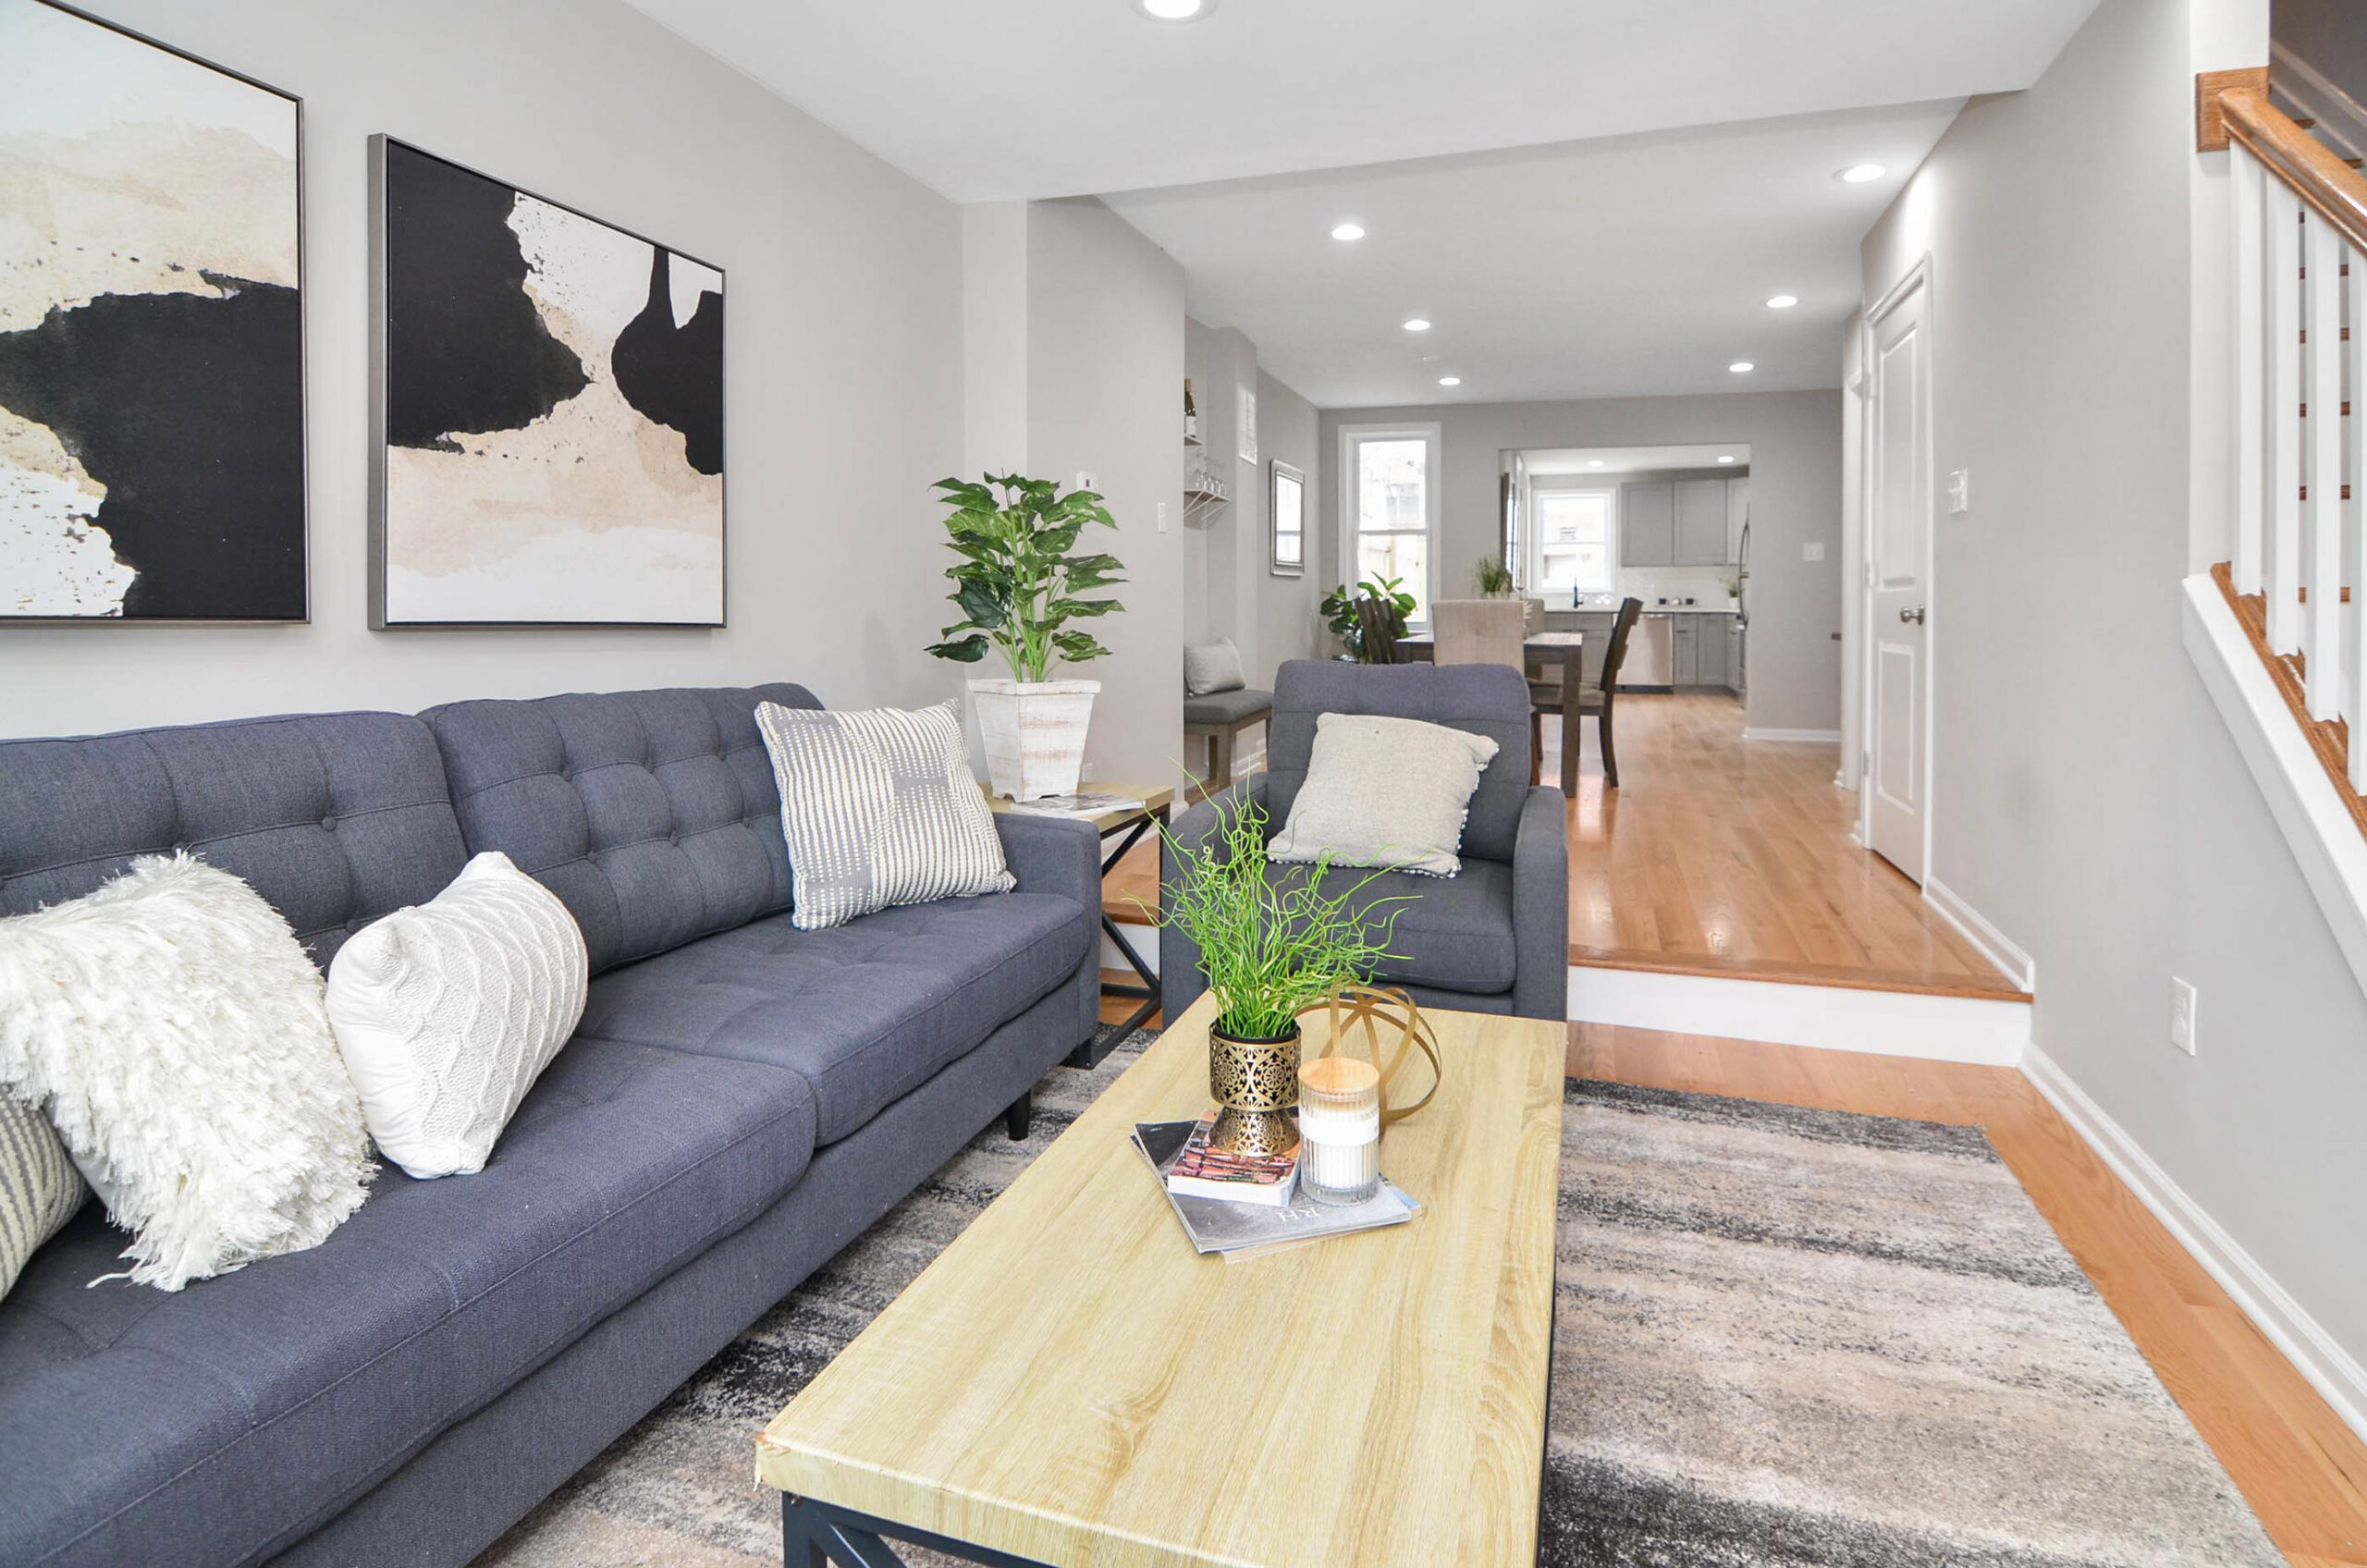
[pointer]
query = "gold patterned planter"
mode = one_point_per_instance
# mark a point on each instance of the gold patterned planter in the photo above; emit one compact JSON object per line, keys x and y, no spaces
{"x":1254,"y":1083}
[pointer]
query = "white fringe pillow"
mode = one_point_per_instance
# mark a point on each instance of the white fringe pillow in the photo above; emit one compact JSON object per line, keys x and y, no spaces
{"x":448,"y":1010}
{"x":172,"y":1030}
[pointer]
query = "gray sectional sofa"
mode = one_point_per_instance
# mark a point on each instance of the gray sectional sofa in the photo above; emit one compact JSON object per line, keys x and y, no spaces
{"x":740,"y":1100}
{"x":1494,"y":937}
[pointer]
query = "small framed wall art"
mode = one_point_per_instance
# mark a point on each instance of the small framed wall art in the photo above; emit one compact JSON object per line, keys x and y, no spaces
{"x":152,"y":331}
{"x":547,"y":399}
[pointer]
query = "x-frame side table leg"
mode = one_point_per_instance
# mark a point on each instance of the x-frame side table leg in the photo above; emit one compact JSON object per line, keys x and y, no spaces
{"x":1089,"y":1055}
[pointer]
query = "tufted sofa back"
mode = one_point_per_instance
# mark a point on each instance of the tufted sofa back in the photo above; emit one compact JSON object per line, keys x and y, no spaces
{"x":652,"y":814}
{"x":335,"y":818}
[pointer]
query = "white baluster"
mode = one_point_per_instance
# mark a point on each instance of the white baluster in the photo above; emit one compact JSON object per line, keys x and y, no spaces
{"x":2281,"y":473}
{"x":2354,"y":511}
{"x":2248,"y":194}
{"x":2321,"y":512}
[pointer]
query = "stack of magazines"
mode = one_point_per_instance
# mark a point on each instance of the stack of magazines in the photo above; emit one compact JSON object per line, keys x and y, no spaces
{"x":1253,"y":1218}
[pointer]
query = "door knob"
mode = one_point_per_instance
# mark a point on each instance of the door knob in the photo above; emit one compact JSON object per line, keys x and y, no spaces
{"x":1912,"y":617}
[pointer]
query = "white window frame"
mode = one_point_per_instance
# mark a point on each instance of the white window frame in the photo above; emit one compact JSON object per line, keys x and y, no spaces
{"x":1434,"y":493}
{"x":1533,"y":547}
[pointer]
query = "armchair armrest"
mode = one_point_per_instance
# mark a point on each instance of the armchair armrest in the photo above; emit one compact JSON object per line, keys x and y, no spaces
{"x":1180,"y":980}
{"x":1050,"y":854}
{"x":1541,"y":908}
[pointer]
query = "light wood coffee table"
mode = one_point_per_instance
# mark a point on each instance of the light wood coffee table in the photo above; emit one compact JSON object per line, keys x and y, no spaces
{"x":1069,"y":1384}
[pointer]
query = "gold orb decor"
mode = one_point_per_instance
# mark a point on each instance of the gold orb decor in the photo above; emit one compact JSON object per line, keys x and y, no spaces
{"x":1387,"y":1028}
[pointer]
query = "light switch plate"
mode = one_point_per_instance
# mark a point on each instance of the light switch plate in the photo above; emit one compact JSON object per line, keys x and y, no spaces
{"x":1086,"y":480}
{"x":1812,"y":552}
{"x":1960,"y":491}
{"x":1162,"y":516}
{"x":2182,"y":1022}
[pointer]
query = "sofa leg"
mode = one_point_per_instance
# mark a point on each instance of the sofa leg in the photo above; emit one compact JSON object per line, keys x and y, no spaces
{"x":1020,"y":1116}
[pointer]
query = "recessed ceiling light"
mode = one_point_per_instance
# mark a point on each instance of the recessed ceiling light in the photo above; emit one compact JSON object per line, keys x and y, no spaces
{"x":1782,"y":301}
{"x":1856,"y":174}
{"x":1742,"y":367}
{"x":1726,"y":457}
{"x":1450,"y":381}
{"x":1175,"y":10}
{"x":1594,"y":462}
{"x":1349,"y":231}
{"x":1417,"y":324}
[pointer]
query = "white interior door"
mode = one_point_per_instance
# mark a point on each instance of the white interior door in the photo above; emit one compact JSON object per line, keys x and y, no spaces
{"x":1898,"y":576}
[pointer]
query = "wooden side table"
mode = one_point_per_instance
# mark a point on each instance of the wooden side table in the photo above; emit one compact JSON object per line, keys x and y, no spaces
{"x":1133,"y":822}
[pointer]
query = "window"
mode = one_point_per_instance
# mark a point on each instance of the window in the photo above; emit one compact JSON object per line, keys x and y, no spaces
{"x":1574,"y":539}
{"x":1391,"y":508}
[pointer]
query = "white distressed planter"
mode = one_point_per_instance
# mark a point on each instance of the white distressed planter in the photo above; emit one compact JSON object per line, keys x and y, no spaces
{"x":1033,"y":732}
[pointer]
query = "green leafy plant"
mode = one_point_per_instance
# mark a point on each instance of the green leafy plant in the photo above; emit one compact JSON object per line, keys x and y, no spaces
{"x":1017,"y":583}
{"x":1272,"y":946}
{"x":1341,"y":612}
{"x":1491,"y":575}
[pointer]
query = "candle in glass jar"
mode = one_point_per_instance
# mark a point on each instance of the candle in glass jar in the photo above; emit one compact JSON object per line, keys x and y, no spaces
{"x":1339,"y":1129}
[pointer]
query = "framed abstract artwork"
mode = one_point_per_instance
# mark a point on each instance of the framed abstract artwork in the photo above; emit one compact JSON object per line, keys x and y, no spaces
{"x":1286,"y":517}
{"x":152,"y":331}
{"x":548,"y":403}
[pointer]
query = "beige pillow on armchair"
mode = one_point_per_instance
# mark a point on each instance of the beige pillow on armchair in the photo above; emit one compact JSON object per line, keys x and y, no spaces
{"x":1384,"y":791}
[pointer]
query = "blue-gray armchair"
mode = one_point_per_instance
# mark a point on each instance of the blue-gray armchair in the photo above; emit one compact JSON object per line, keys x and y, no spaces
{"x":1495,"y":939}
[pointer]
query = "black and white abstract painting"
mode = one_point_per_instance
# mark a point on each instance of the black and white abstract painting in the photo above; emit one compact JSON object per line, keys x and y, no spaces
{"x":551,"y":411}
{"x":151,"y":353}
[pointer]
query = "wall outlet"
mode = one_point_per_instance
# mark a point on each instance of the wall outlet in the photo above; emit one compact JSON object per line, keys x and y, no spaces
{"x":1812,"y":552}
{"x":1162,"y":516}
{"x":1960,"y":491}
{"x":2182,"y":1014}
{"x":1084,"y":773}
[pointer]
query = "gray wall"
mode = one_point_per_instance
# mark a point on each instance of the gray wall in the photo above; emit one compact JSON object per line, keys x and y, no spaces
{"x":1105,"y":395}
{"x":844,"y":364}
{"x":1288,"y":429}
{"x":1794,"y":440}
{"x":2088,"y":801}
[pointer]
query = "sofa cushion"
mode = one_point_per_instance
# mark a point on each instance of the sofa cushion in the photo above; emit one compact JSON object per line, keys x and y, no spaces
{"x":1490,"y":700}
{"x":1456,"y":935}
{"x":652,"y":814}
{"x":229,"y":1419}
{"x":866,"y":1012}
{"x":335,"y":818}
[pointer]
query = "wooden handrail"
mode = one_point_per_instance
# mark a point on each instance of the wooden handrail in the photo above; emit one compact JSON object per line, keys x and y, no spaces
{"x":2332,"y":189}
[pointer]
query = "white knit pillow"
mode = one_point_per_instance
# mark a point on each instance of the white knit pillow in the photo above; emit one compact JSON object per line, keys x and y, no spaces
{"x":40,"y":1189}
{"x":880,"y":808}
{"x":171,"y":1028}
{"x":448,"y":1010}
{"x":1384,"y":791}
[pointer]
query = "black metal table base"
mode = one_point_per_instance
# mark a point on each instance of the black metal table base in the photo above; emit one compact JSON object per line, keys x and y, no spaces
{"x":820,"y":1535}
{"x":1104,"y":1041}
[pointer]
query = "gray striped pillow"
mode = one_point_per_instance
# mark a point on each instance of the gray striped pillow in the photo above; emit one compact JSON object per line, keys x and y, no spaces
{"x":40,"y":1189}
{"x":878,"y":808}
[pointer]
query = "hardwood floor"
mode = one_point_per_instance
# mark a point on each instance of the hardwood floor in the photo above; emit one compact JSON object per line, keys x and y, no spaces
{"x":1720,"y":857}
{"x":2304,"y":1473}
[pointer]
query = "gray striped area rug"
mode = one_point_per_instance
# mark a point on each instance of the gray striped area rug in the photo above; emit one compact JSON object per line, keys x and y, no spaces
{"x":1782,"y":1339}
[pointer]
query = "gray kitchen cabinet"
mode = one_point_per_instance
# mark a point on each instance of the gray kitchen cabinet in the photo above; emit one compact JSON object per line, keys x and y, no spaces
{"x":1684,"y":654}
{"x":1648,"y":524}
{"x":1737,"y":515}
{"x":1701,"y":531}
{"x":1710,"y":650}
{"x":1734,"y":640}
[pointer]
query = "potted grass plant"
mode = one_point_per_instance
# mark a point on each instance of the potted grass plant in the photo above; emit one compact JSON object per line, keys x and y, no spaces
{"x":1017,"y":586}
{"x":1272,"y":946}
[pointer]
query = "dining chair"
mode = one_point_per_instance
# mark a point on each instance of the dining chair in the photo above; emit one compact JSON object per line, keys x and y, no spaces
{"x":1594,"y":697}
{"x":1479,"y":632}
{"x":1377,"y":623}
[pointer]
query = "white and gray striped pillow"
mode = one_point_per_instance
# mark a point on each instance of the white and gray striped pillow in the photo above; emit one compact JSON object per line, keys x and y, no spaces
{"x":878,"y":808}
{"x":40,"y":1189}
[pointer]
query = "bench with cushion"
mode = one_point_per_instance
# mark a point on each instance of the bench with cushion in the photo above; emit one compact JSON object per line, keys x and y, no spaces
{"x":740,"y":1101}
{"x":1220,"y":716}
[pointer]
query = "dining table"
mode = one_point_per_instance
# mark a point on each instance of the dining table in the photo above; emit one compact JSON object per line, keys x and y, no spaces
{"x":1566,"y":649}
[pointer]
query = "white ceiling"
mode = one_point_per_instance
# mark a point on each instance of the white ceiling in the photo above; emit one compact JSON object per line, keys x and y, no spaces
{"x":1633,"y":266}
{"x":1036,"y":98}
{"x":1631,"y":460}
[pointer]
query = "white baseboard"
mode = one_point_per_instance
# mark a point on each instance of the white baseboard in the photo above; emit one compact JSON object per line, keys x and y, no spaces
{"x":1972,"y":1029}
{"x":2332,"y":1370}
{"x":2011,"y":962}
{"x":1820,"y":737}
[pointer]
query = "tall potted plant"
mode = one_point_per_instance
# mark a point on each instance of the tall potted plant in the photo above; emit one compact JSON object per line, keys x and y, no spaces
{"x":1017,"y":584}
{"x":1272,"y":946}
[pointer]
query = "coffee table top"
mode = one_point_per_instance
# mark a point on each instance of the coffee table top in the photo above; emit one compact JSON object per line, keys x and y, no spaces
{"x":1069,"y":1382}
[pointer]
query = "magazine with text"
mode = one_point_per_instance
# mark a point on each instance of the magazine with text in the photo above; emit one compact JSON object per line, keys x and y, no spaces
{"x":1242,"y":1229}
